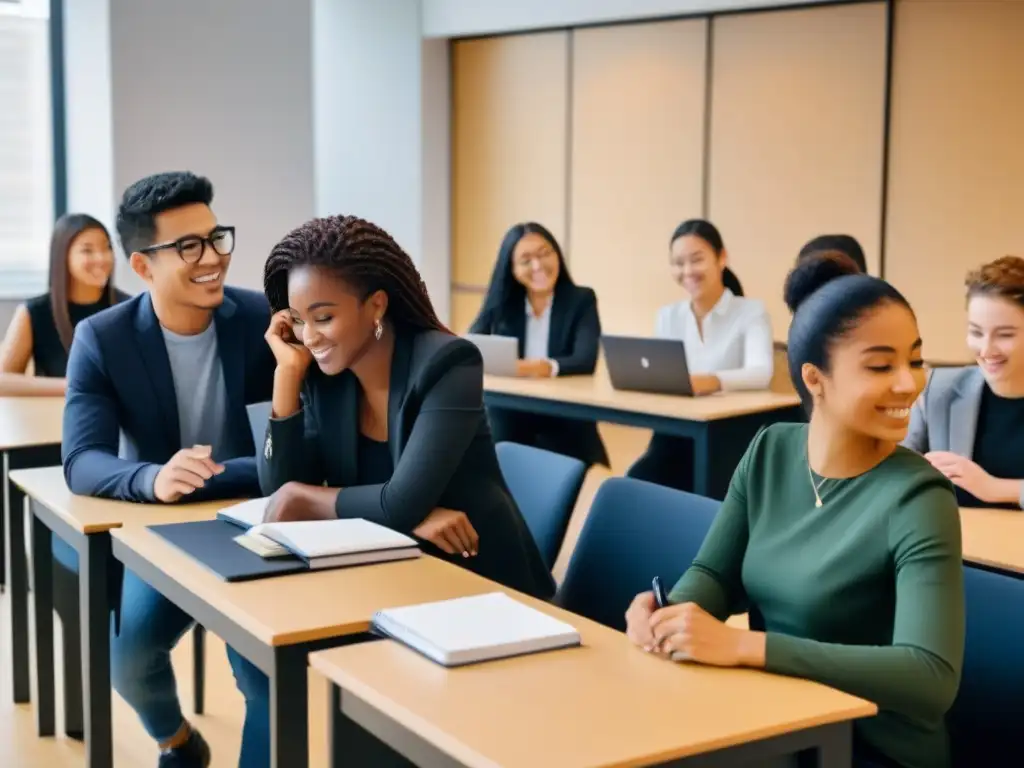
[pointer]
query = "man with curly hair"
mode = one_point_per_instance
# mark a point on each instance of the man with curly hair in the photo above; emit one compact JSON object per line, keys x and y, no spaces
{"x":157,"y":389}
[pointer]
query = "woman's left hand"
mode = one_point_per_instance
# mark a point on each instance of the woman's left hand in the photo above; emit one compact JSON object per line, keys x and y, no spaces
{"x":966,"y":474}
{"x":687,"y":632}
{"x":297,"y":501}
{"x":534,"y":369}
{"x":705,"y":384}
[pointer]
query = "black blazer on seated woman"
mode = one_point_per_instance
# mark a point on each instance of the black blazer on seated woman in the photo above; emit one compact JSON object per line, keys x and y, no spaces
{"x":574,"y":339}
{"x":441,"y":450}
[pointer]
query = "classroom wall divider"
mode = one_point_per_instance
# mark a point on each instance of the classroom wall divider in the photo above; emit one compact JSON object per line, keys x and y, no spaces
{"x":892,"y":120}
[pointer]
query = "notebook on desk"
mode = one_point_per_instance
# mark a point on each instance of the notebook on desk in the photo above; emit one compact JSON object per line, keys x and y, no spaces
{"x":468,"y":630}
{"x":301,"y":546}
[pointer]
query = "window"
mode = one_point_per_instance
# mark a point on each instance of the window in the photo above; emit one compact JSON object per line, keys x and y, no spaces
{"x":26,"y":148}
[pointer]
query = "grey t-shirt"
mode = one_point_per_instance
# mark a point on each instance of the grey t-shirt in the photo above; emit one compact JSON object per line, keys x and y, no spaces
{"x":201,"y":396}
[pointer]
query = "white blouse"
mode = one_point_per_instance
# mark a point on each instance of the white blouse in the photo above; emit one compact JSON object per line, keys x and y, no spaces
{"x":736,"y":346}
{"x":538,"y":331}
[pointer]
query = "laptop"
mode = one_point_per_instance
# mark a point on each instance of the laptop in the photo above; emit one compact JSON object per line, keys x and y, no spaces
{"x":647,"y":365}
{"x":500,"y":353}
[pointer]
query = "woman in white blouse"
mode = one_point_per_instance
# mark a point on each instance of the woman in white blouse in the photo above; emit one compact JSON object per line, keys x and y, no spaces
{"x":728,"y":340}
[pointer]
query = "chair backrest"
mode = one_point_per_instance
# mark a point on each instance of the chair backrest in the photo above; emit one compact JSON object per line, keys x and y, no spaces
{"x":259,"y":415}
{"x":545,"y":486}
{"x":989,"y":708}
{"x":634,"y":532}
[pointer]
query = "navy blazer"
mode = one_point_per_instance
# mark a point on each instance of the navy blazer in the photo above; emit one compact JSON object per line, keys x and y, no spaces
{"x":574,"y":335}
{"x":119,"y":381}
{"x":441,"y":449}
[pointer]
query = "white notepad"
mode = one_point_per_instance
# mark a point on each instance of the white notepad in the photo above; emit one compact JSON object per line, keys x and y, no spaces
{"x":337,"y":543}
{"x":467,"y":630}
{"x":245,"y":514}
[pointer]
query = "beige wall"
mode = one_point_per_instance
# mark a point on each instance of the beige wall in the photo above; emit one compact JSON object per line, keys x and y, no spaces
{"x":796,"y":138}
{"x":637,"y":161}
{"x":957,"y":173}
{"x":600,"y":133}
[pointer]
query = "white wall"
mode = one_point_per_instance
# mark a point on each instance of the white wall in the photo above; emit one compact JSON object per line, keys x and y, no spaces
{"x":381,"y":126}
{"x":226,"y":91}
{"x":461,"y":18}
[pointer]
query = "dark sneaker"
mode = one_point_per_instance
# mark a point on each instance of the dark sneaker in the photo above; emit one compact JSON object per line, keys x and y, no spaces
{"x":194,"y":753}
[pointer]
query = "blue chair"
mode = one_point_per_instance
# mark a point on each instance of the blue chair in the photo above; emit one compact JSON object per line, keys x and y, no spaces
{"x":989,"y":708}
{"x":545,"y":486}
{"x":635,"y":531}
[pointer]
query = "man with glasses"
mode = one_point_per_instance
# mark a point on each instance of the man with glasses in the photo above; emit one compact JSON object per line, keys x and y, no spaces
{"x":156,"y":412}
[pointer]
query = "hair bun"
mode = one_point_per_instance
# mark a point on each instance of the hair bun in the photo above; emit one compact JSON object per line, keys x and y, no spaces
{"x":813,"y":272}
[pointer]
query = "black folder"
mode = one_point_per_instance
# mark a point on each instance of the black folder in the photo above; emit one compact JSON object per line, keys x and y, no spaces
{"x":211,"y":542}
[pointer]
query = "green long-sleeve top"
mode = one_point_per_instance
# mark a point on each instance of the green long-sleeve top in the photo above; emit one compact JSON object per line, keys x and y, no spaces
{"x":864,"y":594}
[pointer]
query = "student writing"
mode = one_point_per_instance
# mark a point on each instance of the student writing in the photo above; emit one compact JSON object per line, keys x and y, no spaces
{"x":533,"y":298}
{"x":155,"y":412}
{"x":40,"y":333}
{"x":843,"y":545}
{"x":727,"y":338}
{"x":969,"y":423}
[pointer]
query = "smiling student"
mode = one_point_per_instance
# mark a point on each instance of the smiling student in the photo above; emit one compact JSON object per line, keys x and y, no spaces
{"x":533,"y":298}
{"x":969,"y":423}
{"x":843,"y":545}
{"x":155,"y":412}
{"x":81,"y":284}
{"x":727,"y":338}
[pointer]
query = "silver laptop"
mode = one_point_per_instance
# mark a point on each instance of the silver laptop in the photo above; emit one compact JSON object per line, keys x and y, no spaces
{"x":500,"y":353}
{"x":647,"y":365}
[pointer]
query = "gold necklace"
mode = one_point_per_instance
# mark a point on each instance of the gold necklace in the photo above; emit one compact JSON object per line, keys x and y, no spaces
{"x":815,"y":487}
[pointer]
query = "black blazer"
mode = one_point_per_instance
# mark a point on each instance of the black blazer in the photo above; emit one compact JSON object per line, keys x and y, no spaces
{"x":575,"y":328}
{"x":441,"y":447}
{"x":573,"y":341}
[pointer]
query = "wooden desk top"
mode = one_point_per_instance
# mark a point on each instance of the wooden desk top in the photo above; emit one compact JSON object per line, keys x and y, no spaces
{"x":605,"y":704}
{"x":89,"y":515}
{"x":597,"y":391}
{"x":303,"y":607}
{"x":994,"y":537}
{"x":26,"y":422}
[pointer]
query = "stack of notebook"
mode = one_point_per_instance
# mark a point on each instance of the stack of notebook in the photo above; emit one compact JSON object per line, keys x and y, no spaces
{"x":467,"y":630}
{"x":318,"y":543}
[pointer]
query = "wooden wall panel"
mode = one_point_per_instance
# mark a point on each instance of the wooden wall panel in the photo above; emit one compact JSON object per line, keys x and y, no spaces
{"x":956,"y":194}
{"x":465,"y":307}
{"x":510,"y":144}
{"x":637,"y":161}
{"x":796,"y":137}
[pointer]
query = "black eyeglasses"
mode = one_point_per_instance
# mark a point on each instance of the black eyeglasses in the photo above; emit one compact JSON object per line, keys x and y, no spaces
{"x":192,"y":247}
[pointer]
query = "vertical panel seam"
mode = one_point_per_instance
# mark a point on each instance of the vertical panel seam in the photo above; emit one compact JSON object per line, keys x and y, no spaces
{"x":883,"y":223}
{"x":569,"y":54}
{"x":709,"y":46}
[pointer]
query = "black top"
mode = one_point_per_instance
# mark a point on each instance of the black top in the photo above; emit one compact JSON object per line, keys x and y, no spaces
{"x":48,"y":353}
{"x":440,"y":445}
{"x":373,"y":461}
{"x":998,"y":442}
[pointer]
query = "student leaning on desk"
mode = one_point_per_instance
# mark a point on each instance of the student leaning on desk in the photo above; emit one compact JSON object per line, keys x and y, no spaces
{"x":727,"y":340}
{"x":533,"y":298}
{"x":969,"y":423}
{"x":81,"y":284}
{"x":843,"y":545}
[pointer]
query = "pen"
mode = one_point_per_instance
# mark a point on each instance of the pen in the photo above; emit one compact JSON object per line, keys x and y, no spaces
{"x":659,"y":592}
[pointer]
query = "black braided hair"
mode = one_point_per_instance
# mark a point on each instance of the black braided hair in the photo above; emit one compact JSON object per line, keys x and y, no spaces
{"x":363,"y":255}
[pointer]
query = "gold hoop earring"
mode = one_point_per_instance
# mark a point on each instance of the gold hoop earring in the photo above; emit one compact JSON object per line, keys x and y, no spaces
{"x":378,"y":329}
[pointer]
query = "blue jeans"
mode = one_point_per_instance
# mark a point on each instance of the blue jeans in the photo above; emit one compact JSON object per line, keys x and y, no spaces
{"x":141,"y":671}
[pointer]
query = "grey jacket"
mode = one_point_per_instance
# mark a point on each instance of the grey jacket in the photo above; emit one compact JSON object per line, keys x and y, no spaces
{"x":945,"y":417}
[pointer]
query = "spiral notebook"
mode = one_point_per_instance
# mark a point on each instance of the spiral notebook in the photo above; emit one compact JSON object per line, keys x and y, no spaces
{"x":468,"y":630}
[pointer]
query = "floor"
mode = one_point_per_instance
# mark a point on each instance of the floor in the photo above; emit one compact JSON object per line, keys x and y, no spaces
{"x":222,"y":723}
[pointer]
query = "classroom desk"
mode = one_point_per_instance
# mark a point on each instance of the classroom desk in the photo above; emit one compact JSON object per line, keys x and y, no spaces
{"x":30,"y":431}
{"x":276,"y":622}
{"x":603,"y":705}
{"x":85,"y":523}
{"x":720,"y":425}
{"x":994,"y":538}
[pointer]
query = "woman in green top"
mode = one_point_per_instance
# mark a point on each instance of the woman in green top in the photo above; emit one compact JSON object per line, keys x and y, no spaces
{"x":843,"y":545}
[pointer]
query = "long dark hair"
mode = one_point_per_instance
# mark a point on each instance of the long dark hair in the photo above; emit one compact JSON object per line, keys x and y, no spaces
{"x":709,"y":233}
{"x":362,"y":254}
{"x":68,"y":227}
{"x":504,"y":291}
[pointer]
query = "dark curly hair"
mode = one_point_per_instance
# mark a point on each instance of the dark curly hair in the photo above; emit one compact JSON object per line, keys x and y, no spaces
{"x":1003,"y":277}
{"x":143,"y":200}
{"x":363,"y":255}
